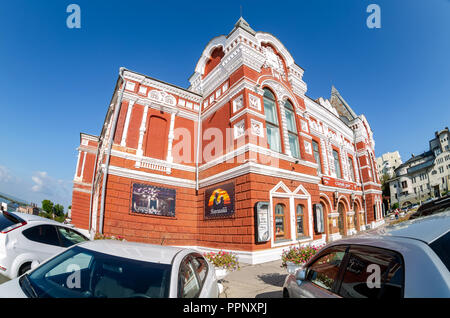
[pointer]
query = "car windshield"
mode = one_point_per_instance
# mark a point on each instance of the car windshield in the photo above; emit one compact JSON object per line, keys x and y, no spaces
{"x":8,"y":219}
{"x":441,"y":247}
{"x":82,"y":273}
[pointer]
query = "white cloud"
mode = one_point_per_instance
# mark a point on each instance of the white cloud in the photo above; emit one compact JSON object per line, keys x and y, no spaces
{"x":56,"y":190}
{"x":5,"y":175}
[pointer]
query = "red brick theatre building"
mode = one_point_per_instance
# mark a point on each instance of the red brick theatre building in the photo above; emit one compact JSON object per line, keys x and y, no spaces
{"x":243,"y":160}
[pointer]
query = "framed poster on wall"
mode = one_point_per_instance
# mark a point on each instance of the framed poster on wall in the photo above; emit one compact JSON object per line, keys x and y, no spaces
{"x":151,"y":200}
{"x":219,"y":201}
{"x":262,"y":222}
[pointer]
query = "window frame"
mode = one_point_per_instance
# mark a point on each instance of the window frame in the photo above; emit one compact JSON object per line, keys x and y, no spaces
{"x":278,"y":238}
{"x":288,"y":107}
{"x":323,"y":253}
{"x":346,"y":259}
{"x":319,"y":164}
{"x":187,"y":260}
{"x":303,"y":234}
{"x":270,"y":123}
{"x":41,"y":225}
{"x":338,"y":163}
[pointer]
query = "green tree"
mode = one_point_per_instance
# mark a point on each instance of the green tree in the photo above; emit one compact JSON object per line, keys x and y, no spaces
{"x":58,"y":209}
{"x":47,"y":206}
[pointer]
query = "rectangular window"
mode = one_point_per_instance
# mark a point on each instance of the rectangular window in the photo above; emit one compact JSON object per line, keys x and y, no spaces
{"x":404,"y":184}
{"x":292,"y":130}
{"x":352,"y":170}
{"x":317,"y":156}
{"x":337,"y":164}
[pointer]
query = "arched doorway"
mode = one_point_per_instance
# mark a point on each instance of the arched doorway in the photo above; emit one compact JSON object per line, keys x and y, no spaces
{"x":341,"y":219}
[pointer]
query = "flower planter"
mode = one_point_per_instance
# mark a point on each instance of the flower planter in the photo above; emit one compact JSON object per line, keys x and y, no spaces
{"x":292,"y":268}
{"x":221,"y":273}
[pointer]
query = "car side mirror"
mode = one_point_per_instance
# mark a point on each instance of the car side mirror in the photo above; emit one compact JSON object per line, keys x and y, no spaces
{"x":34,"y":264}
{"x":300,"y":275}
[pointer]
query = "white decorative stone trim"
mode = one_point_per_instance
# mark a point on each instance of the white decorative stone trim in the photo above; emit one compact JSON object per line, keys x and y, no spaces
{"x":239,"y":129}
{"x":238,"y":103}
{"x":151,"y":177}
{"x":247,"y":111}
{"x":127,"y":123}
{"x":257,"y":128}
{"x":142,"y":130}
{"x":251,"y":167}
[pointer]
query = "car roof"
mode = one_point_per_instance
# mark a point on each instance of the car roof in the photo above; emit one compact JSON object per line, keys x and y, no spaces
{"x":34,"y":218}
{"x":425,"y":229}
{"x":139,"y":251}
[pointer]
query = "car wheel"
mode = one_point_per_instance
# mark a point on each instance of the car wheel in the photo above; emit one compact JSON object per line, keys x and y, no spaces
{"x":285,"y":293}
{"x":24,"y":268}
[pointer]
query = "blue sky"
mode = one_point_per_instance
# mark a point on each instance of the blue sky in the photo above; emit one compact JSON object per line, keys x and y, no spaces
{"x":56,"y":81}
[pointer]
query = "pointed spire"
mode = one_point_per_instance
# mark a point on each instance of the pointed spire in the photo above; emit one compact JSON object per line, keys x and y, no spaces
{"x":334,"y":90}
{"x":241,"y":23}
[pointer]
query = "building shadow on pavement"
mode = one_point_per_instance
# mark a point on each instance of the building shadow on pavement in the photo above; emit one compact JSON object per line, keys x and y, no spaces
{"x":274,"y":279}
{"x":272,"y":294}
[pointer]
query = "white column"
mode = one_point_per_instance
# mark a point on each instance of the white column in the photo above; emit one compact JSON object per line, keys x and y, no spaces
{"x":78,"y":164}
{"x":127,"y":123}
{"x":82,"y":167}
{"x":171,"y":137}
{"x":142,"y":130}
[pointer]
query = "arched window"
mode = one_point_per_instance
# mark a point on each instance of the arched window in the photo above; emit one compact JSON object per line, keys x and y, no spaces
{"x":292,"y":129}
{"x":351,"y":168}
{"x":337,"y":164}
{"x":279,"y":222}
{"x":317,"y":156}
{"x":300,"y":229}
{"x":272,"y":125}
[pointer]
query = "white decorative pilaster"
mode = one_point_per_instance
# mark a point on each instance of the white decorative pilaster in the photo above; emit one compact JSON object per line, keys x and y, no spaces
{"x":324,"y":156}
{"x":127,"y":123}
{"x":82,"y":166}
{"x":171,"y":137}
{"x":284,"y":130}
{"x":142,"y":130}
{"x":78,"y":164}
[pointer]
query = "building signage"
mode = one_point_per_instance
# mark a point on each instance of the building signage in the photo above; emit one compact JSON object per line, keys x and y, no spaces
{"x":219,"y":201}
{"x":148,"y":199}
{"x":338,"y":183}
{"x":262,"y":222}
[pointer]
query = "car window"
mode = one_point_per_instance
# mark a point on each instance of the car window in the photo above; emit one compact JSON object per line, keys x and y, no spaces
{"x":45,"y":234}
{"x":69,"y":237}
{"x":188,"y":285}
{"x":200,"y":267}
{"x":372,"y":273}
{"x":76,"y":263}
{"x":325,"y":270}
{"x":441,"y":247}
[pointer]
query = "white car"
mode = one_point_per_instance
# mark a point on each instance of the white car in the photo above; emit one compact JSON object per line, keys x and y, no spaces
{"x":116,"y":269}
{"x":26,"y":238}
{"x":407,"y":260}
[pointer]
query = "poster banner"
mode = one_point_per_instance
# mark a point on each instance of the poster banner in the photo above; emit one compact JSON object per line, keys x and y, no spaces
{"x":148,"y":199}
{"x":219,"y":201}
{"x":262,"y":222}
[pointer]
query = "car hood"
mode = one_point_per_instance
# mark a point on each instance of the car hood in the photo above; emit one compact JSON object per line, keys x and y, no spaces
{"x":12,"y":289}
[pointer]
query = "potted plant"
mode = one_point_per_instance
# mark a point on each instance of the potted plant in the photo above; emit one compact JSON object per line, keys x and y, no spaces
{"x":295,"y":257}
{"x":224,"y":262}
{"x":99,"y":236}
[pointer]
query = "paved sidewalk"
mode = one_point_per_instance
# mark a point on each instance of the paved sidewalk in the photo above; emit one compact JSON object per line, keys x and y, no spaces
{"x":255,"y":281}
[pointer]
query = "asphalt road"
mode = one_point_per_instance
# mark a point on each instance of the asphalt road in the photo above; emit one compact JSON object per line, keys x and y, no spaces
{"x":3,"y":279}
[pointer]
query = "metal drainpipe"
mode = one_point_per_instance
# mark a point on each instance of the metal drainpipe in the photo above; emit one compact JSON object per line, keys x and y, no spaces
{"x":108,"y":154}
{"x":92,"y":187}
{"x":198,"y":148}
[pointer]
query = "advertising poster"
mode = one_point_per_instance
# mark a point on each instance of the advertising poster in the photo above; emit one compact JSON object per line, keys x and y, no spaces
{"x":262,"y":222}
{"x":219,"y":201}
{"x":148,"y":199}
